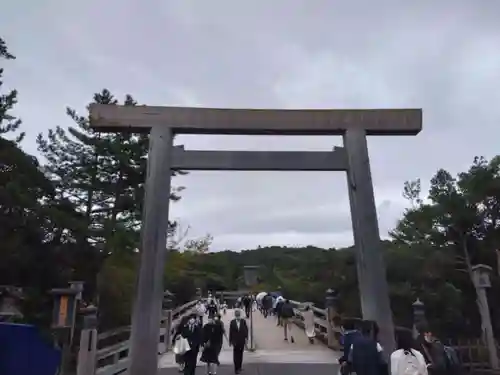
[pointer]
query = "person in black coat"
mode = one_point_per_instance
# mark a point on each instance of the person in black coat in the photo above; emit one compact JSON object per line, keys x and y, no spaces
{"x":238,"y":336}
{"x":267,"y":305}
{"x":247,"y":304}
{"x":213,"y":337}
{"x":192,"y":331}
{"x":212,"y":309}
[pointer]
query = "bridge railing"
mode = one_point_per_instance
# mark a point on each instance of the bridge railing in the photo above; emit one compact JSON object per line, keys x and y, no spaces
{"x":106,"y":353}
{"x":322,"y":328}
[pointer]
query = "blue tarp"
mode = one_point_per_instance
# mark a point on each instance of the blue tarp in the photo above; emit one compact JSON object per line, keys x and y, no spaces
{"x":24,"y":352}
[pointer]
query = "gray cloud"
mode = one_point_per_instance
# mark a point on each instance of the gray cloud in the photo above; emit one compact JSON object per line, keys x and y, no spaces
{"x":441,"y":56}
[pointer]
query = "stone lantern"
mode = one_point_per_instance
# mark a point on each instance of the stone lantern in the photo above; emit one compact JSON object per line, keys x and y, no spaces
{"x":77,"y":285}
{"x":331,"y":298}
{"x":419,"y":318}
{"x":481,"y":274}
{"x":10,"y":303}
{"x":64,"y":307}
{"x":168,"y":299}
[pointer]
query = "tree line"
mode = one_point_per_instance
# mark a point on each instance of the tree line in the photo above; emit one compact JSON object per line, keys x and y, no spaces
{"x":75,"y":214}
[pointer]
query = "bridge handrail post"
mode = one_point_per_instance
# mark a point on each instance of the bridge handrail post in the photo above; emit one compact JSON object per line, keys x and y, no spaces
{"x":331,"y":317}
{"x":167,"y":339}
{"x":90,"y":358}
{"x":87,"y":352}
{"x":168,"y":306}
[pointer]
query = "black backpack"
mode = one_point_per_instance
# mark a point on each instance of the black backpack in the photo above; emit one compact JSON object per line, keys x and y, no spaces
{"x":437,"y":355}
{"x":287,"y":310}
{"x":453,"y":362}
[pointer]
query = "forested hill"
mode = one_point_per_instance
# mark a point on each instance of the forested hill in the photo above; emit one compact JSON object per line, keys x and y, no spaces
{"x":305,"y":273}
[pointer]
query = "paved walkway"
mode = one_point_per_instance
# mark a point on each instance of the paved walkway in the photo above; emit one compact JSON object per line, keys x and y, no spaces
{"x":269,"y":336}
{"x":267,"y":369}
{"x":273,"y":355}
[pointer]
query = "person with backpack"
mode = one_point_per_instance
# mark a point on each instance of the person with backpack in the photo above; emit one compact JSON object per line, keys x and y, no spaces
{"x":286,"y":314}
{"x":453,"y":361}
{"x":384,"y":366}
{"x":349,"y":335}
{"x":434,"y":353}
{"x":279,"y":306}
{"x":366,"y":354}
{"x":406,"y":360}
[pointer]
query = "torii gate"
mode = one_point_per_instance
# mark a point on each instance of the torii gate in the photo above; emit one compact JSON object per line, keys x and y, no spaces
{"x":164,"y":122}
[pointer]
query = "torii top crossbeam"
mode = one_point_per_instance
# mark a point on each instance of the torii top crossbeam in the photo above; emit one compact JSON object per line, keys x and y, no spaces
{"x":119,"y":118}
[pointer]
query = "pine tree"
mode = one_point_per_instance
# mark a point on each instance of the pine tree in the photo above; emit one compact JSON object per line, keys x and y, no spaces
{"x":8,"y":123}
{"x":103,"y":174}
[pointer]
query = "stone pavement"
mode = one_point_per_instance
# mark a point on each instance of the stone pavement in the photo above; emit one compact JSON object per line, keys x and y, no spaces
{"x":273,"y":355}
{"x":269,"y":336}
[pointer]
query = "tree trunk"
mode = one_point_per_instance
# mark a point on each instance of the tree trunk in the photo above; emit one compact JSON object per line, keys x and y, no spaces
{"x":468,"y":264}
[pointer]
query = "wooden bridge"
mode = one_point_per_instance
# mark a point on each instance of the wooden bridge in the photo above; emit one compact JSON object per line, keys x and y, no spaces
{"x":107,"y":353}
{"x":271,"y":352}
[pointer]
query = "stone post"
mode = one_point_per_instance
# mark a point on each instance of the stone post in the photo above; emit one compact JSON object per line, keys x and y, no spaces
{"x":419,"y":319}
{"x":78,"y":286}
{"x":87,"y":359}
{"x":481,"y":275}
{"x":331,"y":300}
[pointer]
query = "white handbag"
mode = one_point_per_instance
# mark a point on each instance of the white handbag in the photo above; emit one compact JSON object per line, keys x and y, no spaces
{"x":181,"y":346}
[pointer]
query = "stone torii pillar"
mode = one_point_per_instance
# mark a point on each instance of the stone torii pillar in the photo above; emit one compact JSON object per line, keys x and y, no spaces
{"x":164,"y":122}
{"x":374,"y":291}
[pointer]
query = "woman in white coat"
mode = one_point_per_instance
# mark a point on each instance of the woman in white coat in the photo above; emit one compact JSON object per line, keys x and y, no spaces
{"x":406,"y":360}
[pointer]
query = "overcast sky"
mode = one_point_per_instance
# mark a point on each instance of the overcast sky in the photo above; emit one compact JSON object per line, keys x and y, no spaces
{"x":442,"y":56}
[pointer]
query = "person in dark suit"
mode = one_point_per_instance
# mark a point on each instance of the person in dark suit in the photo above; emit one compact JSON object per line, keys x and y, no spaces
{"x":192,"y":331}
{"x":238,"y":336}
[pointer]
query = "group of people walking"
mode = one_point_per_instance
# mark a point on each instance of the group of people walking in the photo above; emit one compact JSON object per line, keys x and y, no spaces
{"x":363,"y":354}
{"x":192,"y":335}
{"x":284,"y":312}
